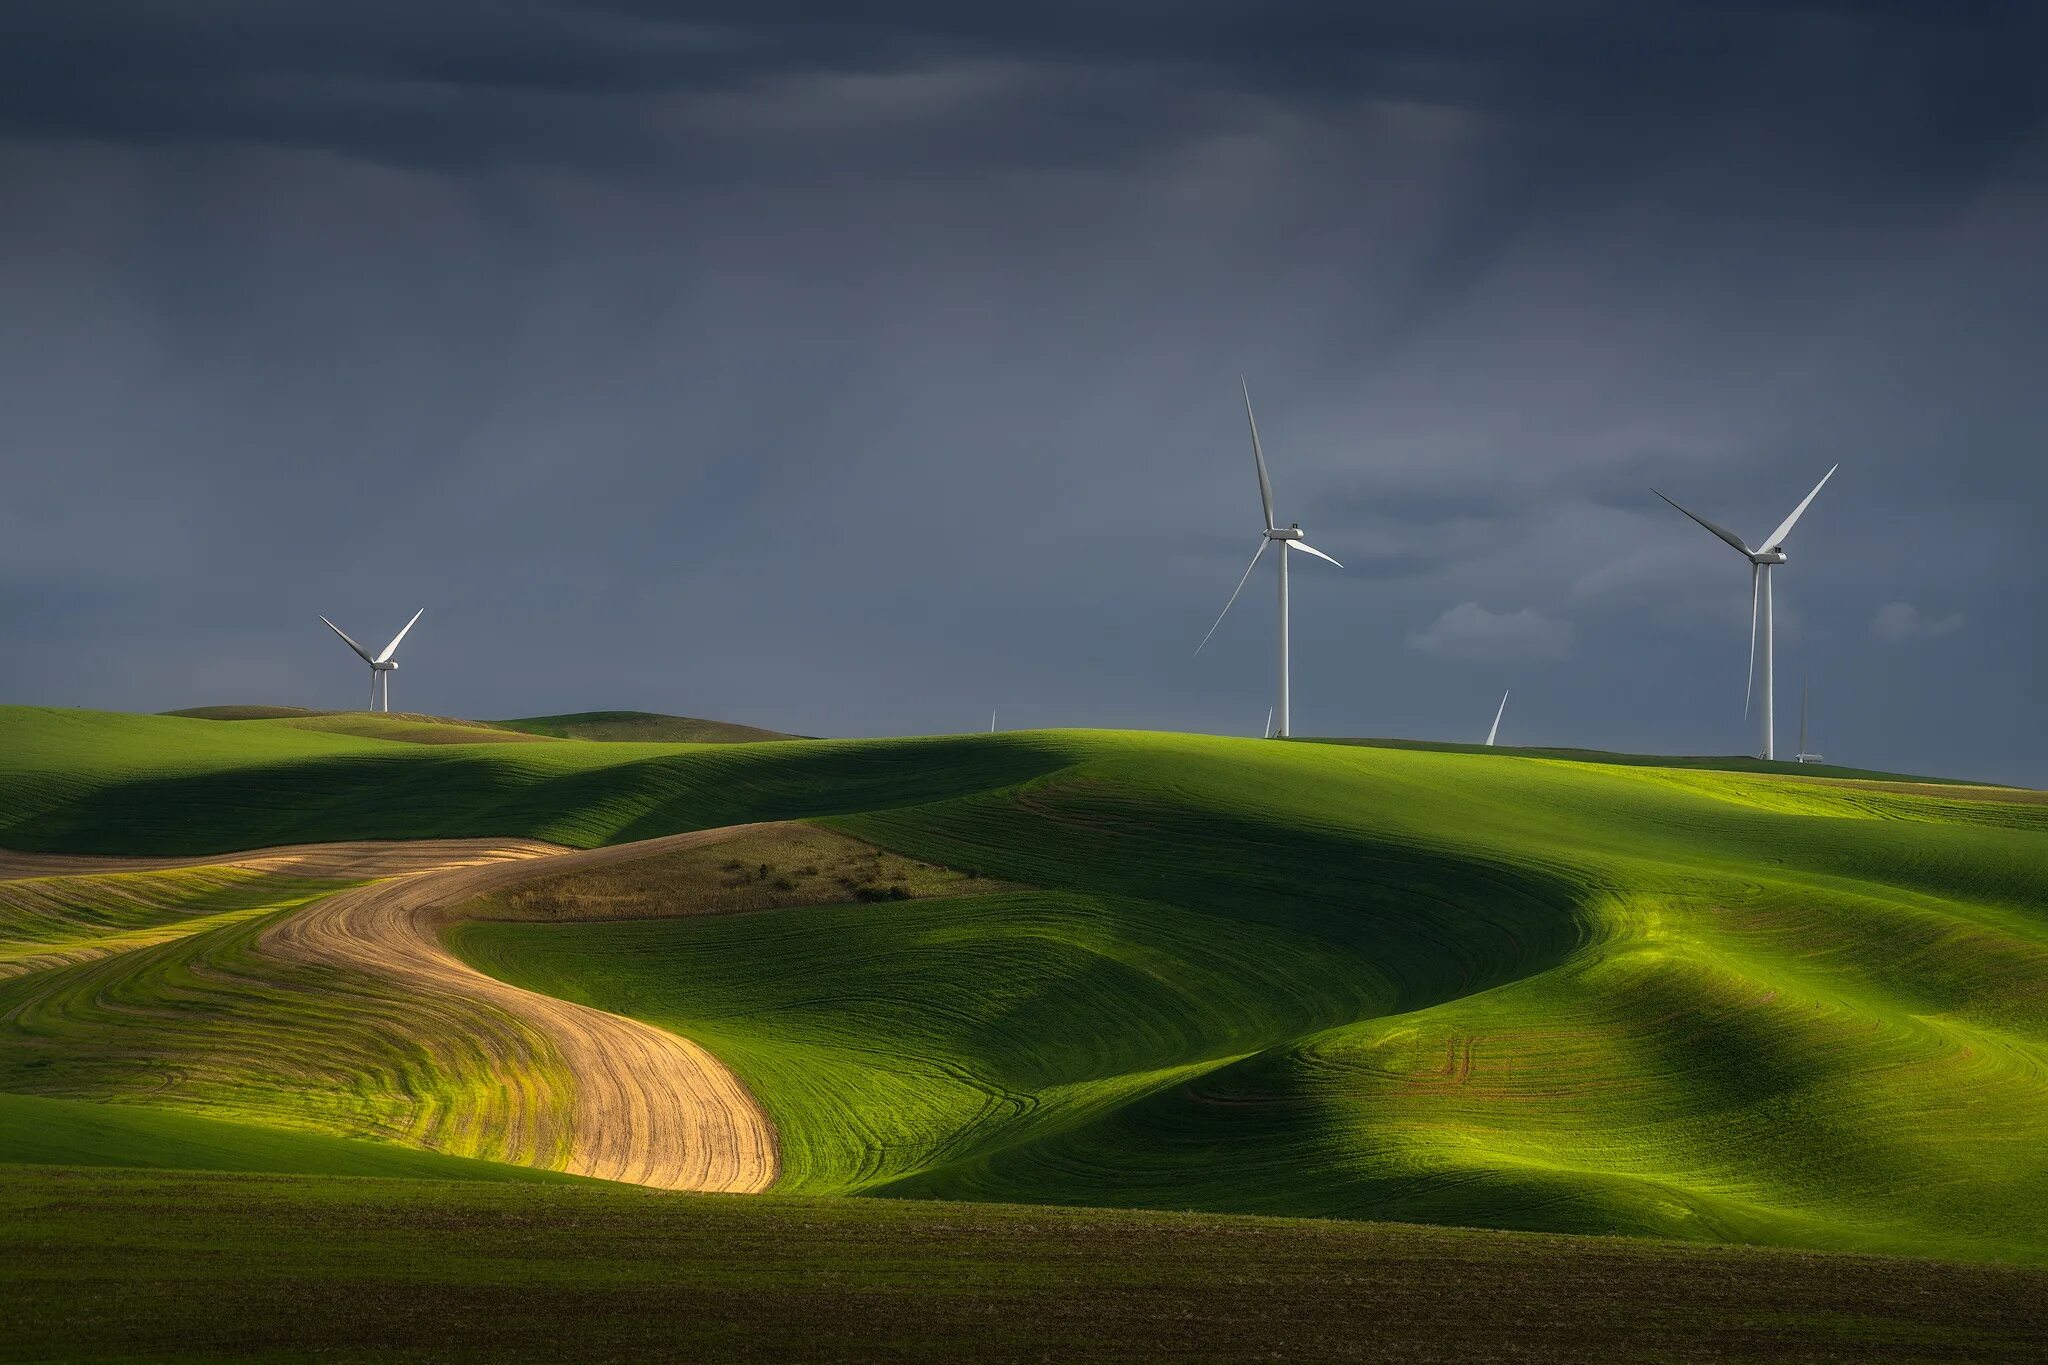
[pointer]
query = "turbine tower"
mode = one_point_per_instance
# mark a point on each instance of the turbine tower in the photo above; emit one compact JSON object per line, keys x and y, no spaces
{"x":1803,"y":756}
{"x":1762,"y":560}
{"x":1494,"y":733}
{"x":381,"y":667}
{"x":1291,"y":539}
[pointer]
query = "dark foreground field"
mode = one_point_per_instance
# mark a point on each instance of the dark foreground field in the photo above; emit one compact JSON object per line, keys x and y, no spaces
{"x":156,"y":1265}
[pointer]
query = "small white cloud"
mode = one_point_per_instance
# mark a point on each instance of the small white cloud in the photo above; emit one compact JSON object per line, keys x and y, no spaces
{"x":1897,"y":621}
{"x":1470,"y":631}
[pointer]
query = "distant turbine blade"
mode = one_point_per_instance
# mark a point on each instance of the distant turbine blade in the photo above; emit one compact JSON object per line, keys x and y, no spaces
{"x":1755,"y":575}
{"x":1263,"y":542}
{"x":1269,"y":722}
{"x":361,"y":653}
{"x":1309,"y":549}
{"x":1494,"y":733}
{"x":392,"y":648}
{"x":1720,"y":531}
{"x":1258,"y":455}
{"x":1777,"y":539}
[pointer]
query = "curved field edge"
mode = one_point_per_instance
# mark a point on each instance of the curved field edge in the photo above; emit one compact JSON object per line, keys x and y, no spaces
{"x":1397,"y":986}
{"x":340,"y":1013}
{"x":97,"y":1264}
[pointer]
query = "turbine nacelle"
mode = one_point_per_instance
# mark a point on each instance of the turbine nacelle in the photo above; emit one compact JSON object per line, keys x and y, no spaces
{"x":388,"y":666}
{"x":1293,"y":532}
{"x":1768,"y":557}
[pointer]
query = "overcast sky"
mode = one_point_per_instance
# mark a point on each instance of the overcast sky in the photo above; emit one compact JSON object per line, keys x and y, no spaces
{"x":743,"y":361}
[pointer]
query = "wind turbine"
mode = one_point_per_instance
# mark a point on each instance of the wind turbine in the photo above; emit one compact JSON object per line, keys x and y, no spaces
{"x":1802,"y":756}
{"x":381,"y":667}
{"x":1494,"y":733}
{"x":1762,"y":560}
{"x":1291,"y":539}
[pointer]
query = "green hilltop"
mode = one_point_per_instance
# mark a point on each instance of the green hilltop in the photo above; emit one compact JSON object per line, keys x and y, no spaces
{"x":641,"y":727}
{"x":1361,"y":982}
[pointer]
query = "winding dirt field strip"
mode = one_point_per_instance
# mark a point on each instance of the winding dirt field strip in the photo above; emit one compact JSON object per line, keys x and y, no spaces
{"x":648,"y":1107}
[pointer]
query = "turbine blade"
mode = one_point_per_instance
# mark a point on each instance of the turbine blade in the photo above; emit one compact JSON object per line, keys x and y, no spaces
{"x":1777,"y":540}
{"x":1494,"y":733}
{"x":1263,"y":542}
{"x":392,"y":648}
{"x":1269,"y":722}
{"x":1258,"y":455}
{"x":1755,"y":575}
{"x":1309,"y":549}
{"x":1720,"y":531}
{"x":361,"y":653}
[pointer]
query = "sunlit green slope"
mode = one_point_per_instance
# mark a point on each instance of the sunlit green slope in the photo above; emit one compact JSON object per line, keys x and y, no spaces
{"x":641,"y":727}
{"x":1367,"y":982}
{"x":1374,"y":983}
{"x":45,"y":1132}
{"x":96,"y":782}
{"x":151,"y":988}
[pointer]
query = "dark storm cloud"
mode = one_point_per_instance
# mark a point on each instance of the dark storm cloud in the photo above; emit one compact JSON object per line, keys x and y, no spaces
{"x":852,"y":374}
{"x":1938,"y":85}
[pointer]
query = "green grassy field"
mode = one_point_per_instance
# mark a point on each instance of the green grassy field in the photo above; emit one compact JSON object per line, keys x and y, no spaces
{"x":49,"y":1133}
{"x":641,"y":727}
{"x":143,"y":1265}
{"x":1355,"y":981}
{"x":154,"y":997}
{"x":1374,"y":983}
{"x":1731,"y":763}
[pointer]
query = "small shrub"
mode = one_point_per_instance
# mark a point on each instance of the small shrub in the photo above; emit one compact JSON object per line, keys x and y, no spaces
{"x":783,"y":884}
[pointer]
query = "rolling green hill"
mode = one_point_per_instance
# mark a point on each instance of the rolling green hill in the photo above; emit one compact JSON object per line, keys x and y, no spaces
{"x":641,"y":727}
{"x":1732,"y":763}
{"x":616,"y":727}
{"x":406,"y":726}
{"x":1230,"y":975}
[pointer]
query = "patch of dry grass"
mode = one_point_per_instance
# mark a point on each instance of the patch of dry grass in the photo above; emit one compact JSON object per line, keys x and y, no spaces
{"x":786,"y":865}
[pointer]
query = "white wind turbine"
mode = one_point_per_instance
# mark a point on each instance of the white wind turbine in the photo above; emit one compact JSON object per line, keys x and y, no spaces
{"x":1290,"y":538}
{"x":1803,"y":756}
{"x":1494,"y":733}
{"x":1762,"y":560}
{"x":381,"y":667}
